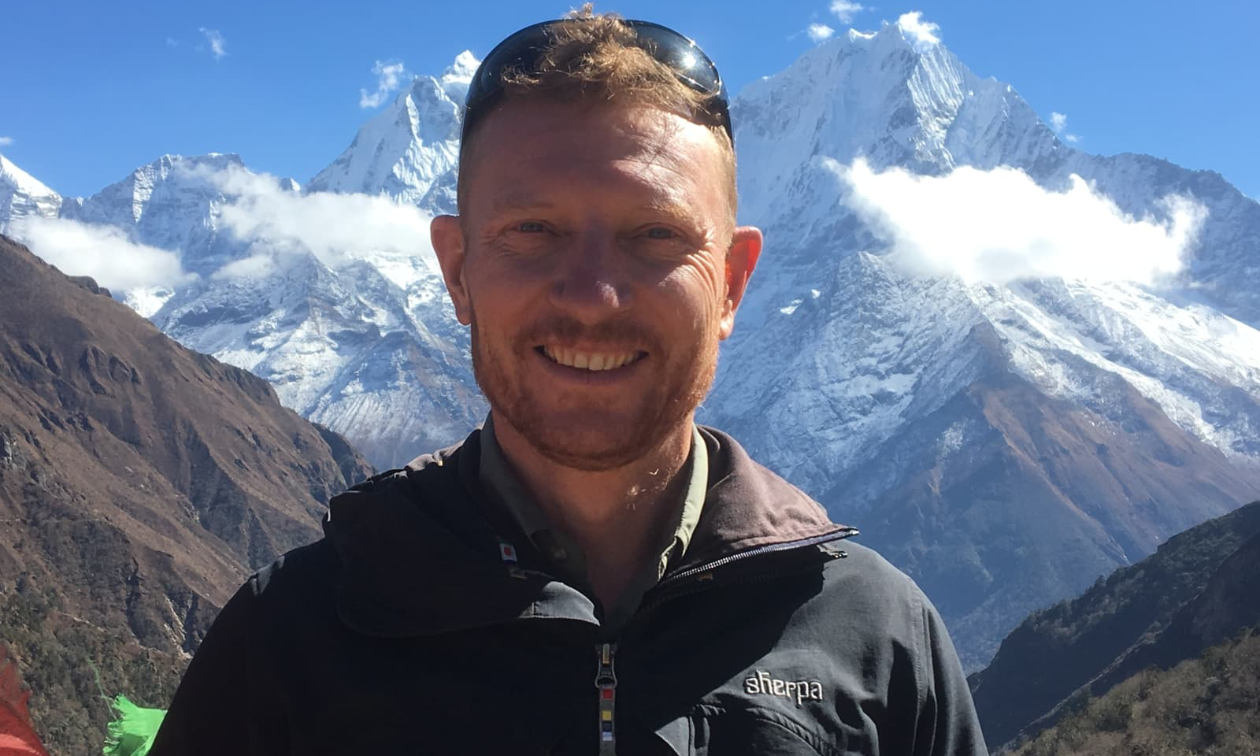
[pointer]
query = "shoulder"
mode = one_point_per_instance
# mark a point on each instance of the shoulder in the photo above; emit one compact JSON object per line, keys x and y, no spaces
{"x":867,"y":575}
{"x":873,"y":599}
{"x":309,"y":573}
{"x":295,"y":570}
{"x":430,"y":479}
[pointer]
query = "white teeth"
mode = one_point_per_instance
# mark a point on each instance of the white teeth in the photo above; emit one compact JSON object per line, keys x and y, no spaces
{"x":589,"y":360}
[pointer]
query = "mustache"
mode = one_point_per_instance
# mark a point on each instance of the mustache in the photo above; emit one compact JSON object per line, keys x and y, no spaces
{"x":614,"y":333}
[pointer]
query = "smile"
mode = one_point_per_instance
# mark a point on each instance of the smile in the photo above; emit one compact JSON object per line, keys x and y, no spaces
{"x":594,"y":361}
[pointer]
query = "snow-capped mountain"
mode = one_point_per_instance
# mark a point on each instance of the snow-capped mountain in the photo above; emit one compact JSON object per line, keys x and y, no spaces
{"x":1005,"y":443}
{"x":352,"y":337}
{"x":22,"y":196}
{"x":896,"y":102}
{"x":346,"y":346}
{"x":409,"y":151}
{"x":170,"y":204}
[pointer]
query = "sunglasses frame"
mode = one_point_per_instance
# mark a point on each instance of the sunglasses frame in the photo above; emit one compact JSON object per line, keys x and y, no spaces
{"x":521,"y":49}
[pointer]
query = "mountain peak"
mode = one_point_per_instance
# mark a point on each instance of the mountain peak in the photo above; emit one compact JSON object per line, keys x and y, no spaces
{"x":406,"y":151}
{"x":921,"y":35}
{"x":909,"y":31}
{"x":19,"y":180}
{"x":457,"y":76}
{"x":22,"y":195}
{"x":178,"y":184}
{"x":211,"y":160}
{"x":897,"y":97}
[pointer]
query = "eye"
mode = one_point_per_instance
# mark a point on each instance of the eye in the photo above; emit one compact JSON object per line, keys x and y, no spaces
{"x":530,"y":227}
{"x":662,"y":233}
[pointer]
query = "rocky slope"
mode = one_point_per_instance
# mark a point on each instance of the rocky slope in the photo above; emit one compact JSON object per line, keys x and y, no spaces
{"x":1195,"y":591}
{"x":139,"y":483}
{"x":1208,"y":706}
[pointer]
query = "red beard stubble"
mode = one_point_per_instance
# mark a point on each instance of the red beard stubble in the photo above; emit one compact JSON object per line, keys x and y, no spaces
{"x":681,"y":384}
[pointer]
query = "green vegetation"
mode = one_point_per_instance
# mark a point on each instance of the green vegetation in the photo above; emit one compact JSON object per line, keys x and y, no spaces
{"x":72,"y":667}
{"x":1209,"y":706}
{"x":1116,"y":628}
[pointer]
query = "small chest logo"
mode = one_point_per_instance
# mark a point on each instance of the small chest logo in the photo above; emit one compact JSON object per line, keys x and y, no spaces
{"x":798,"y":690}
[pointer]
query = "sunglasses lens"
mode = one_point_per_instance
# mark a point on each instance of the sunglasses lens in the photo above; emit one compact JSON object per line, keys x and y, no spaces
{"x":682,"y":55}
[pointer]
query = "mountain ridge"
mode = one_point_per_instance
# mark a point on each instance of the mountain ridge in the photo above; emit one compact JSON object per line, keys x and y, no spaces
{"x":140,"y":483}
{"x":1154,"y":613}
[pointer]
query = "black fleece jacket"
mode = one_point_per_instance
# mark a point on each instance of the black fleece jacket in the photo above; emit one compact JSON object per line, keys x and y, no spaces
{"x":423,"y":623}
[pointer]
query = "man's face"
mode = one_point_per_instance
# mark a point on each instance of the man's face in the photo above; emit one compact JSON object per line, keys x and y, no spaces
{"x":598,"y":266}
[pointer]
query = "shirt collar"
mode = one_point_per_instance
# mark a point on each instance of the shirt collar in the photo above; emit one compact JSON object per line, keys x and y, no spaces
{"x":497,"y":478}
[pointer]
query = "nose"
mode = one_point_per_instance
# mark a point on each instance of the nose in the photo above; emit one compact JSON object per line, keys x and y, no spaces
{"x":591,"y":283}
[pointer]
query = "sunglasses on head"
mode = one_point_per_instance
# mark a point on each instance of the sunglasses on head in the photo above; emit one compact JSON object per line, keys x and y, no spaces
{"x":521,"y":51}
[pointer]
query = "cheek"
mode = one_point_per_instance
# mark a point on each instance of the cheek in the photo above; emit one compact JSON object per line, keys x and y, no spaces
{"x":697,"y":291}
{"x":495,"y":293}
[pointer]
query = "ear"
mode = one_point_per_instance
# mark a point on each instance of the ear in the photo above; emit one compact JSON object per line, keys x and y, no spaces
{"x":740,"y":261}
{"x":447,"y":236}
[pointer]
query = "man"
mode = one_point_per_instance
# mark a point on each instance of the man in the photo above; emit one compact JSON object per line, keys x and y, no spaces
{"x":590,"y":572}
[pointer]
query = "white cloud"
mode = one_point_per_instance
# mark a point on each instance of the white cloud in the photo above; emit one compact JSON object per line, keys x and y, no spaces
{"x":921,"y":34}
{"x":458,"y":76}
{"x":279,"y":222}
{"x":998,"y":226}
{"x":845,"y":10}
{"x":259,"y":265}
{"x":102,"y":252}
{"x":5,"y":141}
{"x":389,"y":77}
{"x":1058,"y":122}
{"x":218,"y":45}
{"x":172,"y":42}
{"x":819,"y":32}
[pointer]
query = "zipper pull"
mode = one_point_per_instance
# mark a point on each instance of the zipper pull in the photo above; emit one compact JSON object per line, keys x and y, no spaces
{"x":606,"y":684}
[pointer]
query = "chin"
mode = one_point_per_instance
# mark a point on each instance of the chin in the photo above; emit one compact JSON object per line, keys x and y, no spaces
{"x":592,"y":444}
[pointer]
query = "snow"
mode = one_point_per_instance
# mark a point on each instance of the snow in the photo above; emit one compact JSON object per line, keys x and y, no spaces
{"x":408,"y":151}
{"x":23,"y":196}
{"x":457,"y":77}
{"x":148,"y":300}
{"x":19,"y":180}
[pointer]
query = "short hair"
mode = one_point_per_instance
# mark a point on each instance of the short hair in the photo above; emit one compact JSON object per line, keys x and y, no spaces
{"x":594,"y":58}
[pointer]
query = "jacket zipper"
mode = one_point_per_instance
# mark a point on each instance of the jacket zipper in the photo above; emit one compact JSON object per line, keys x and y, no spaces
{"x":606,"y":685}
{"x":606,"y":653}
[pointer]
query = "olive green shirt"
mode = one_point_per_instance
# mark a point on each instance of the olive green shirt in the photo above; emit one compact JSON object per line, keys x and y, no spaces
{"x":498,"y":478}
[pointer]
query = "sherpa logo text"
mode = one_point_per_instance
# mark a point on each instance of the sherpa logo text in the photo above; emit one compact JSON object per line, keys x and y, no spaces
{"x":801,"y":690}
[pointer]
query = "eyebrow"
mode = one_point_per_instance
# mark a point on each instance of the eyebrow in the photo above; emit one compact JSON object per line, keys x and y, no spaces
{"x":523,"y":202}
{"x":667,"y":207}
{"x":516,"y":202}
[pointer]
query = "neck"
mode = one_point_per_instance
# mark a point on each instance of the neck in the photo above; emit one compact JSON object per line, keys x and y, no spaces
{"x":616,"y":516}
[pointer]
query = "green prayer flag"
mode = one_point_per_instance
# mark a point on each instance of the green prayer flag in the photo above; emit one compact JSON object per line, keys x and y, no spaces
{"x":133,"y":731}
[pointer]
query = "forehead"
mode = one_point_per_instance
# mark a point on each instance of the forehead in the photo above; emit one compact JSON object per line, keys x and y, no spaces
{"x":527,"y":147}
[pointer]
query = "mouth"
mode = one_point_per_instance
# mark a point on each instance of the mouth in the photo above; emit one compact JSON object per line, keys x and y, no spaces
{"x":593,"y":361}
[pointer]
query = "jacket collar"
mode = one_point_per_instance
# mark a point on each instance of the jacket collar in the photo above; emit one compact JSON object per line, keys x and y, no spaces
{"x":421,"y":552}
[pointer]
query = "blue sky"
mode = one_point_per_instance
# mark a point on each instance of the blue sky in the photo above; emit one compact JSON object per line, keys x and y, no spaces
{"x":90,"y":90}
